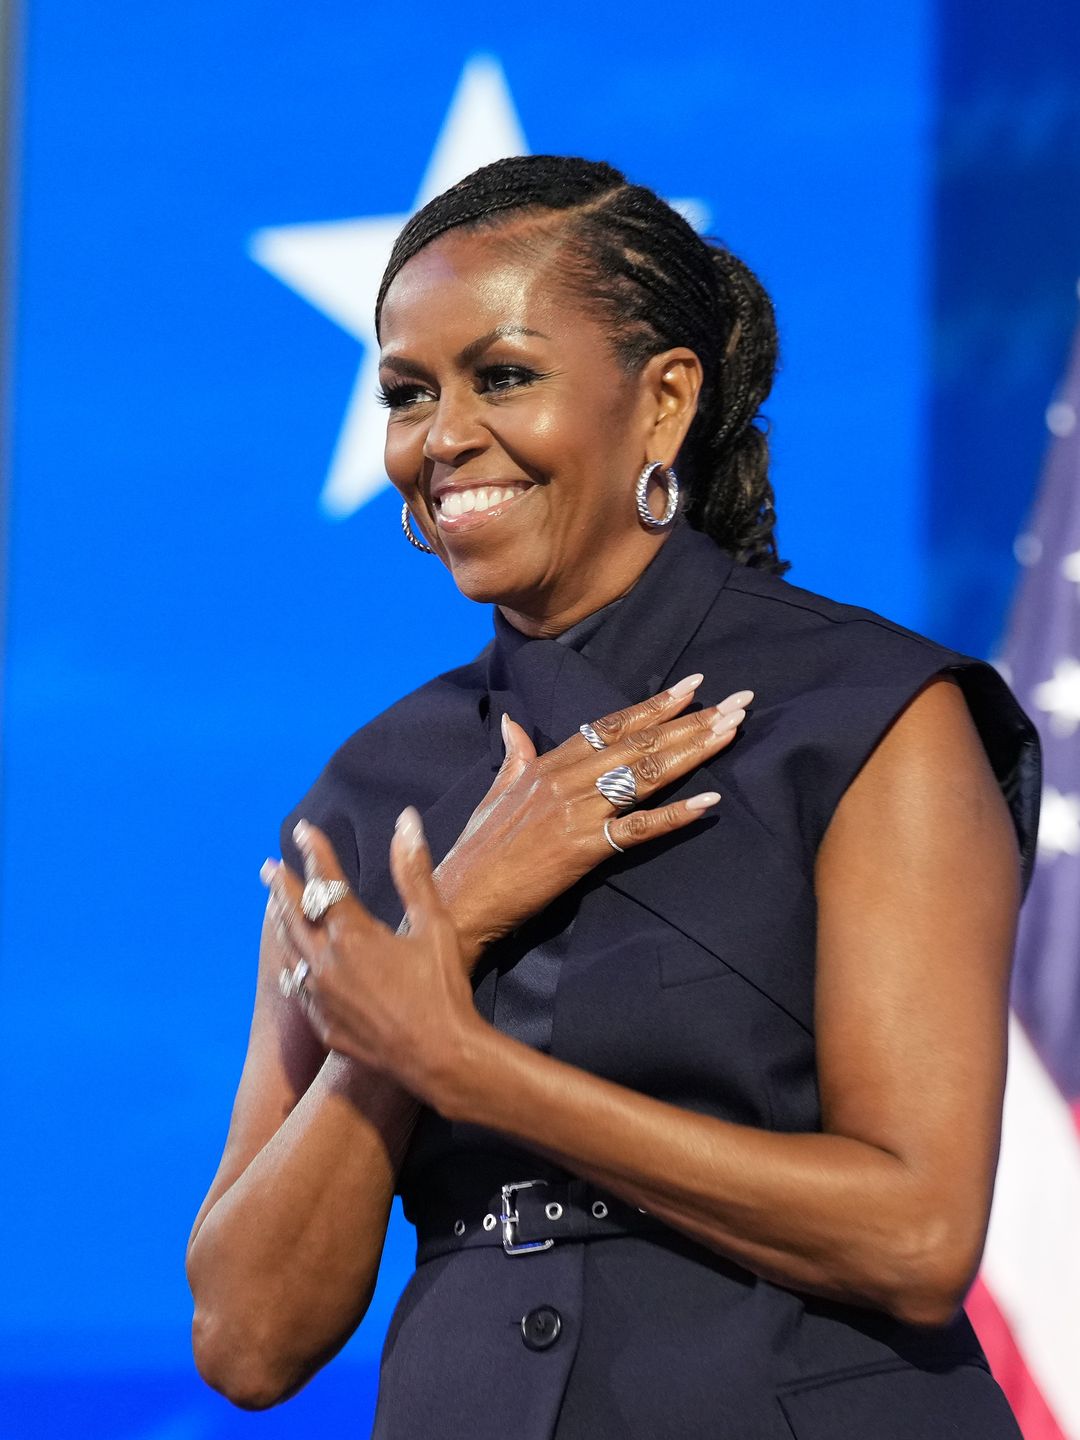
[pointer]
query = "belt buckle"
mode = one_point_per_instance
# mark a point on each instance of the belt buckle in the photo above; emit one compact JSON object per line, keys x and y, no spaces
{"x":509,"y":1218}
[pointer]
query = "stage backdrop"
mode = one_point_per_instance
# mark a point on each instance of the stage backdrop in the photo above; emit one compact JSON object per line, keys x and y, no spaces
{"x":207,"y":590}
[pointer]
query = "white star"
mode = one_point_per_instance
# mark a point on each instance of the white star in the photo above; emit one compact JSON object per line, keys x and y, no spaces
{"x":1060,"y":697}
{"x":336,"y":265}
{"x":1059,"y":824}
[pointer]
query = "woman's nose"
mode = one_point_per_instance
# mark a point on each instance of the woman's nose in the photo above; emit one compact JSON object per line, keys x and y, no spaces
{"x":454,"y":432}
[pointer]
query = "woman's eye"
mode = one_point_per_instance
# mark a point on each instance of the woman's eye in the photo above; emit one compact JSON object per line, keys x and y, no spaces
{"x":505,"y":377}
{"x":399,"y":397}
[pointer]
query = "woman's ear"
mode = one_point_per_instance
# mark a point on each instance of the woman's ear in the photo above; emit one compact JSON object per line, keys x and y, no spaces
{"x":672,"y":384}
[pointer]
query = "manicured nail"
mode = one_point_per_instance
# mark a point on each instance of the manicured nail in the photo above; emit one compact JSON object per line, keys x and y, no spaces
{"x":721,"y":723}
{"x":505,"y":732}
{"x":411,"y":829}
{"x":300,"y":832}
{"x":685,"y":687}
{"x":703,"y":801}
{"x":268,"y":870}
{"x":738,"y":701}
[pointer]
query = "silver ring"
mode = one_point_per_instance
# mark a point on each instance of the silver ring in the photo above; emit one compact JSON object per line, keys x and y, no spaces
{"x":610,"y":841}
{"x":619,"y":787}
{"x":319,"y":895}
{"x":291,"y":982}
{"x":592,"y":737}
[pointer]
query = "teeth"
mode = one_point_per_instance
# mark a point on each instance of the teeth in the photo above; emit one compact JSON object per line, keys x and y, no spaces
{"x":483,"y":497}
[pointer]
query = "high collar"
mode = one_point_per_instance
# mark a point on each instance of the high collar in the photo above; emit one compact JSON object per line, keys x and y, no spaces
{"x":639,"y":649}
{"x":550,"y":688}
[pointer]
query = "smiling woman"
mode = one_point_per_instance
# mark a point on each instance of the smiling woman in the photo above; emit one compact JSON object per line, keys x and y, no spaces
{"x":727,"y":1076}
{"x":537,"y":404}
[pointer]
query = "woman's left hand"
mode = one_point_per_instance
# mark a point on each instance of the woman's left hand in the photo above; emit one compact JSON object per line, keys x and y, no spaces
{"x":400,"y":1003}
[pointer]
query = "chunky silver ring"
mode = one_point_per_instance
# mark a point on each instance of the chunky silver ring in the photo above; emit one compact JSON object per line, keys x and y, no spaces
{"x":592,"y":737}
{"x":610,"y":841}
{"x":619,"y":787}
{"x":319,"y":895}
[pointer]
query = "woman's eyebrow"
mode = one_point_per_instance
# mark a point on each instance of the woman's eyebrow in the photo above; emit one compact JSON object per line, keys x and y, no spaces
{"x":476,"y":348}
{"x":404,"y":366}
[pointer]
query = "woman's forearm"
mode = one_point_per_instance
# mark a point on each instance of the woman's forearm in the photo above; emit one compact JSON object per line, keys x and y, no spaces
{"x":817,"y":1212}
{"x":283,"y":1265}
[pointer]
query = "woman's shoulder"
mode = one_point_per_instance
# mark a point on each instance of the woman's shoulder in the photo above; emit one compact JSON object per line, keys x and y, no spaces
{"x":448,"y":700}
{"x":810,"y":645}
{"x":832,"y":678}
{"x":775,"y":606}
{"x":412,"y":748}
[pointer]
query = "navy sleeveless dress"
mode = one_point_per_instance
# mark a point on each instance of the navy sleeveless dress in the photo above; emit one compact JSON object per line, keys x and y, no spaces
{"x":684,"y":970}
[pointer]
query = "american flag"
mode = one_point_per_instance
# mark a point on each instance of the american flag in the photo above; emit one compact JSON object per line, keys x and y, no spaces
{"x":1026,"y":1303}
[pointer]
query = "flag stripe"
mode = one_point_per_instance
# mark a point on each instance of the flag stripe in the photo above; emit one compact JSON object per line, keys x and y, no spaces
{"x":1010,"y":1368}
{"x":1032,"y":1260}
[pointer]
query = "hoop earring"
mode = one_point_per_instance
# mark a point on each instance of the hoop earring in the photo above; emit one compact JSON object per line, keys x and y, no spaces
{"x":641,"y":492}
{"x":408,"y":531}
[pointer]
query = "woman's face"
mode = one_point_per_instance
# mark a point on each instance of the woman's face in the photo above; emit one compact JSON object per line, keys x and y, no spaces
{"x":514,"y":434}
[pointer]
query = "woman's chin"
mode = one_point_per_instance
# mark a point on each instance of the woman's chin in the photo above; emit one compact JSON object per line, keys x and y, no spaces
{"x":489,"y":582}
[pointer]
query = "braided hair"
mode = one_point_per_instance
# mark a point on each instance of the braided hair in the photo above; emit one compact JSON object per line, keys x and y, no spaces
{"x":634,"y":260}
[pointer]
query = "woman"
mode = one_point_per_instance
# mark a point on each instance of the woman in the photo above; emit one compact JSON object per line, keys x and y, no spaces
{"x":706,"y":1147}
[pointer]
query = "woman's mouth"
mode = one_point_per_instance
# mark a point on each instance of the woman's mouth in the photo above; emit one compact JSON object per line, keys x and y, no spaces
{"x":466,"y":508}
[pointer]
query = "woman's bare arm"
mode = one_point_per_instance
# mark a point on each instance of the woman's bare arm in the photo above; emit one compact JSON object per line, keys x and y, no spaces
{"x":285,"y":1250}
{"x":918,"y":882}
{"x":918,"y":890}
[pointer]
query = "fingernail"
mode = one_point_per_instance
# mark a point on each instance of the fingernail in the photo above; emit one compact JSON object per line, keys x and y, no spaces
{"x":703,"y":801}
{"x":685,"y":687}
{"x":267,"y":870}
{"x":300,"y":832}
{"x":738,"y":701}
{"x":505,"y":733}
{"x":410,"y":827}
{"x":722,"y":722}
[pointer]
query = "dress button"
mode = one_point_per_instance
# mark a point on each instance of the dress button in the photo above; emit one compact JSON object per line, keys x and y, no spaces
{"x":540,"y":1327}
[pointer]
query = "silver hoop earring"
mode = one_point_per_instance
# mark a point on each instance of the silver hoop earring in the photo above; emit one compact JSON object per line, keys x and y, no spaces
{"x":408,"y":531}
{"x":641,"y":496}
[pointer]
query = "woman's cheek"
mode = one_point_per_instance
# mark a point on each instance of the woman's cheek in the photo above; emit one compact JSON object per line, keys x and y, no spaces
{"x":402,"y":457}
{"x":536,"y":427}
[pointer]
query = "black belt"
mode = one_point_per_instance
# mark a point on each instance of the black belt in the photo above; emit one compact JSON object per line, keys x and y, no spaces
{"x":523,"y":1216}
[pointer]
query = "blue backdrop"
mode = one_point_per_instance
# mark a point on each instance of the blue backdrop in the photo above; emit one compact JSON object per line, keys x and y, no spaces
{"x":204,"y":571}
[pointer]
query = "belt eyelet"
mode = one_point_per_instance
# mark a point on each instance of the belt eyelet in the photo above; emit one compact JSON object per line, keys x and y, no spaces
{"x":599,"y":1209}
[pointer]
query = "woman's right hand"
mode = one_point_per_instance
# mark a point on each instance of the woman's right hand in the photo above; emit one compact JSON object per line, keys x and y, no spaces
{"x":540,"y":827}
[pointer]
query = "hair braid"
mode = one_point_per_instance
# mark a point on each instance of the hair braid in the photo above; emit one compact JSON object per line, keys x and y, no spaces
{"x":628,"y":255}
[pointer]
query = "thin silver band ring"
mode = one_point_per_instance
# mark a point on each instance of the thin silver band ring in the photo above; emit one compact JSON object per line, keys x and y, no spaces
{"x":291,"y":982}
